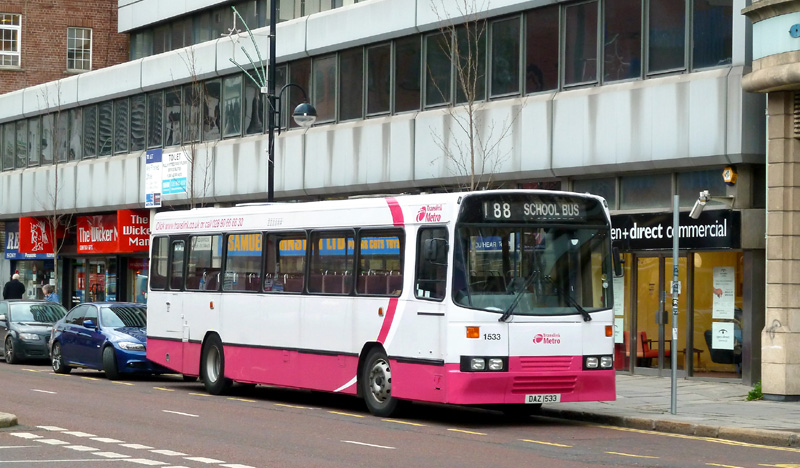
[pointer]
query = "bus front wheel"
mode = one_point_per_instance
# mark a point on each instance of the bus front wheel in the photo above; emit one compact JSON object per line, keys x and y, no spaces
{"x":212,"y":367}
{"x":376,"y":384}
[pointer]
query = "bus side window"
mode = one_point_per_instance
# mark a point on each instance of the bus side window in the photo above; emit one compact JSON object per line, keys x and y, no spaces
{"x":158,"y":263}
{"x":176,"y":271}
{"x":432,"y":253}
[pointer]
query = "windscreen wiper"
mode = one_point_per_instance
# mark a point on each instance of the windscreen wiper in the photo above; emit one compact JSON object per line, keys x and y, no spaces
{"x":517,"y":298}
{"x":570,"y":300}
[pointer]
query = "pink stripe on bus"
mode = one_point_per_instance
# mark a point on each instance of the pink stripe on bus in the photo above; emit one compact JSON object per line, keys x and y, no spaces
{"x":387,"y":321}
{"x":397,"y":212}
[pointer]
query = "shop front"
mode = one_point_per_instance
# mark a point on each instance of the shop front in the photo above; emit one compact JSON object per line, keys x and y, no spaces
{"x":35,"y":268}
{"x":720,"y":300}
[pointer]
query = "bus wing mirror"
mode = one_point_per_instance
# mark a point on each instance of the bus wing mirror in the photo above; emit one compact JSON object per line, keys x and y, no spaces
{"x":617,"y":258}
{"x":435,"y":250}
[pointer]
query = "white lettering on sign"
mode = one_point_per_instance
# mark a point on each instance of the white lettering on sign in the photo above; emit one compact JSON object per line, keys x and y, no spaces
{"x":659,"y":232}
{"x":551,"y":209}
{"x":97,"y":234}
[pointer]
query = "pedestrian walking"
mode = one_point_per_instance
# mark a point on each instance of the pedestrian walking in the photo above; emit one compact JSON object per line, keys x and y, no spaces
{"x":14,"y":289}
{"x":50,"y":293}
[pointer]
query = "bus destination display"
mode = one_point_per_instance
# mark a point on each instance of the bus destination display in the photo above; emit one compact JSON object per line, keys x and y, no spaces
{"x":562,"y":209}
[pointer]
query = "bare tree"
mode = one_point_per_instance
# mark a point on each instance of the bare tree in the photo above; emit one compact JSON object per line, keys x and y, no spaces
{"x":471,"y":142}
{"x":54,"y":148}
{"x":198,"y":112}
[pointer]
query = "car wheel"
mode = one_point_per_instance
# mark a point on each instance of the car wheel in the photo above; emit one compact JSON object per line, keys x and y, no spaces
{"x":376,"y":384}
{"x":58,"y":360}
{"x":110,"y":363}
{"x":212,"y":367}
{"x":11,"y":357}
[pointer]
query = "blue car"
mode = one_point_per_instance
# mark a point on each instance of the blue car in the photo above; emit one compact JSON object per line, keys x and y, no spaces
{"x":107,"y":336}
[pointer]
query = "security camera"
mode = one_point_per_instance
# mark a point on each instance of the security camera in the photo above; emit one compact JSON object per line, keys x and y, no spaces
{"x":697,"y":208}
{"x":699,"y":204}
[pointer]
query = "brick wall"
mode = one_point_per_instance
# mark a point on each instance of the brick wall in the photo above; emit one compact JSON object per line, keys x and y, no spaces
{"x":44,"y":38}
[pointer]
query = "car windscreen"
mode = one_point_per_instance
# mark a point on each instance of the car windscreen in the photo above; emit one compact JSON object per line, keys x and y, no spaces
{"x":37,"y":313}
{"x":123,"y":316}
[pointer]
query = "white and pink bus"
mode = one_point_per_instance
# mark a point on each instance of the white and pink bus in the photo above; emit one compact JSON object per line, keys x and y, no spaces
{"x":497,"y":298}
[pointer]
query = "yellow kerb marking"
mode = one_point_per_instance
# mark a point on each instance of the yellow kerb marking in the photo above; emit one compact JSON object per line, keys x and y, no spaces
{"x":630,"y":455}
{"x":467,"y":432}
{"x":404,"y":422}
{"x":545,"y":443}
{"x":347,"y":414}
{"x":31,"y":370}
{"x":242,"y":399}
{"x":90,"y":378}
{"x":164,"y":389}
{"x":783,"y":465}
{"x":200,"y":394}
{"x":121,"y":383}
{"x":723,"y":466}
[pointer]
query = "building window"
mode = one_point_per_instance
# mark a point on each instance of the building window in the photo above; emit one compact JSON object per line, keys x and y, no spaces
{"x":172,"y":123}
{"x":211,"y":113}
{"x":61,"y":137}
{"x":10,"y":38}
{"x":155,"y":119}
{"x":712,"y":33}
{"x":192,"y":107}
{"x":437,"y":69}
{"x":471,"y":62}
{"x":253,"y":108}
{"x":22,"y":144}
{"x":121,"y":125}
{"x":378,"y":79}
{"x":138,"y":122}
{"x":325,"y":88}
{"x":79,"y":49}
{"x":90,"y":132}
{"x":47,"y":139}
{"x":232,"y":110}
{"x":623,"y":40}
{"x":667,"y":36}
{"x":105,"y":128}
{"x":690,"y":184}
{"x":505,"y":57}
{"x":300,"y":74}
{"x":580,"y":52}
{"x":9,"y":140}
{"x":606,"y":188}
{"x":34,"y":140}
{"x":645,"y":192}
{"x":541,"y":49}
{"x":351,"y":84}
{"x":407,"y":61}
{"x":76,"y":134}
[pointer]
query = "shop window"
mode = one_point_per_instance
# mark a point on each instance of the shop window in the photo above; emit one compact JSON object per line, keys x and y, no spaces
{"x":438,"y":69}
{"x":89,"y":131}
{"x":76,"y":134}
{"x":232,"y":108}
{"x":155,"y":119}
{"x":211,"y":113}
{"x":645,"y":192}
{"x":580,"y":51}
{"x":541,"y":49}
{"x":243,"y":262}
{"x":159,"y":262}
{"x":606,"y":188}
{"x":204,"y":265}
{"x":253,"y":108}
{"x":667,"y":36}
{"x":505,"y":58}
{"x":286,"y":260}
{"x":378,"y":79}
{"x":331,"y":267}
{"x":690,"y":184}
{"x":380,"y":263}
{"x":105,"y":129}
{"x":623,"y":40}
{"x":431,"y":274}
{"x":408,"y":60}
{"x":718,"y":313}
{"x":121,"y":125}
{"x":34,"y":140}
{"x":351,"y":84}
{"x":324,"y":88}
{"x":471,"y":62}
{"x":138,"y":125}
{"x":712,"y":33}
{"x":192,"y":106}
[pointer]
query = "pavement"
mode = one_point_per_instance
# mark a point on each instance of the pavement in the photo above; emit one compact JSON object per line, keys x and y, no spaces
{"x":715,"y":409}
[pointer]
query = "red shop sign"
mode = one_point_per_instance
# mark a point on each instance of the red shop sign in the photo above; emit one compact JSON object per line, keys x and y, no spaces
{"x":35,"y":235}
{"x":97,"y":234}
{"x":134,"y":230}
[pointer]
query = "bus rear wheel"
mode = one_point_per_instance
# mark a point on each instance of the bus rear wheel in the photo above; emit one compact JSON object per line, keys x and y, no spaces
{"x":376,"y":384}
{"x":212,"y":367}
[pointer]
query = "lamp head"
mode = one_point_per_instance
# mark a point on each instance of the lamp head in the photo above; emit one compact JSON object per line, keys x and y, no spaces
{"x":305,"y":115}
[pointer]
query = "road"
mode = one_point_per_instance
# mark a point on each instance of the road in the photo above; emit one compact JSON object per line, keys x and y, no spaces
{"x":85,"y":420}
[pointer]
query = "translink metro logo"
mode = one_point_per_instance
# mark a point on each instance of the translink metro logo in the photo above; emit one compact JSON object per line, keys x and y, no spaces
{"x":547,"y":338}
{"x":429,"y":214}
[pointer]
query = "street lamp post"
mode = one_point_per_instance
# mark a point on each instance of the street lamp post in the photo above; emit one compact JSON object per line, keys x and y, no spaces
{"x":305,"y":114}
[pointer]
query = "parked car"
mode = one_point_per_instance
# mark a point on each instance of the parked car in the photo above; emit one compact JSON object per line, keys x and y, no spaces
{"x":107,"y":336}
{"x":25,"y":328}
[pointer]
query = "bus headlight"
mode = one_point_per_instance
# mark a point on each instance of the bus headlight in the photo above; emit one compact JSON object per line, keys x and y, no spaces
{"x":606,"y":362}
{"x":495,"y":364}
{"x":592,"y":362}
{"x":477,"y":364}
